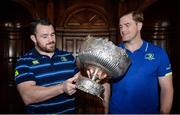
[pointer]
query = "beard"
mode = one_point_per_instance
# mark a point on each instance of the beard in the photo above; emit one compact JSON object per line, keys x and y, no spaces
{"x":48,"y":48}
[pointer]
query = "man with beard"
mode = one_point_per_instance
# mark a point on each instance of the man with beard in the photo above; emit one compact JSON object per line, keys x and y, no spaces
{"x":46,"y":76}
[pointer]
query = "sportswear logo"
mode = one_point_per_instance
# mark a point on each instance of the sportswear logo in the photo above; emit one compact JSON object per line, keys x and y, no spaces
{"x":16,"y":73}
{"x":149,"y":56}
{"x":35,"y":62}
{"x":63,"y":59}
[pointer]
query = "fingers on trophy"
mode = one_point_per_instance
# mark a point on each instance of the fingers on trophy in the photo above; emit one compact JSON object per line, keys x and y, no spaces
{"x":101,"y":59}
{"x":95,"y":73}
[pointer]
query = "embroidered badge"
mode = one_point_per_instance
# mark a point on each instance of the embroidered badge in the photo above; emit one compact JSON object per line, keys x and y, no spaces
{"x":63,"y":59}
{"x":149,"y":56}
{"x":35,"y":62}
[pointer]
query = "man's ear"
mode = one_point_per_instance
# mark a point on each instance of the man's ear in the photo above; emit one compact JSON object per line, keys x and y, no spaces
{"x":33,"y":38}
{"x":139,"y":24}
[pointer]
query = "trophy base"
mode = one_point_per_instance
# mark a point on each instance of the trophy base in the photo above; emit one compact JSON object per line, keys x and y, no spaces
{"x":89,"y":86}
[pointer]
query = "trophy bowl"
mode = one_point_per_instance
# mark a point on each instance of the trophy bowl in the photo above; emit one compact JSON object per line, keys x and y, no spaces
{"x":101,"y":54}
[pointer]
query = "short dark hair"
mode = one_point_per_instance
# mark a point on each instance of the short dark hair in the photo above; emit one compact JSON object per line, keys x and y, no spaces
{"x":35,"y":22}
{"x":137,"y":15}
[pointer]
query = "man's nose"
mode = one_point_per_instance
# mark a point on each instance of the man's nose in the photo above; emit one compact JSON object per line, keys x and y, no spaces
{"x":50,"y":38}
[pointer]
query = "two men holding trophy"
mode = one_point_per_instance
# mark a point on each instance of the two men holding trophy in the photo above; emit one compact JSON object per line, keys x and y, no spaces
{"x":50,"y":82}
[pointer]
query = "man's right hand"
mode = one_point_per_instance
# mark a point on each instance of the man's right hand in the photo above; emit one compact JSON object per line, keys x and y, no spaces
{"x":69,"y":85}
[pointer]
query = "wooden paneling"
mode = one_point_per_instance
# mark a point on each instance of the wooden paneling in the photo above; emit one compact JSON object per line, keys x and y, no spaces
{"x":72,"y":44}
{"x":13,"y":35}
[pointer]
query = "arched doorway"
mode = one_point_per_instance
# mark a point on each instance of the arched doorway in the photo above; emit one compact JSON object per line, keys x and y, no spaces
{"x":82,"y":21}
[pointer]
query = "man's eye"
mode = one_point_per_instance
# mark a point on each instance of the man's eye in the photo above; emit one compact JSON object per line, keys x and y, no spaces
{"x":52,"y":35}
{"x":44,"y":37}
{"x":127,"y":25}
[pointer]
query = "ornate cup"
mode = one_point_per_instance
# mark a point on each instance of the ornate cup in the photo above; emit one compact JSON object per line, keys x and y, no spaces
{"x":104,"y":55}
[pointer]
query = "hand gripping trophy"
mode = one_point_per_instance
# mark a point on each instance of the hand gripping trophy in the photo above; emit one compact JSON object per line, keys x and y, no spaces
{"x":101,"y":54}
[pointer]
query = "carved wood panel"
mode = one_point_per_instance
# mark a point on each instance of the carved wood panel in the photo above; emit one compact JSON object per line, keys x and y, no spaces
{"x":80,"y":23}
{"x":86,"y":18}
{"x":72,"y":44}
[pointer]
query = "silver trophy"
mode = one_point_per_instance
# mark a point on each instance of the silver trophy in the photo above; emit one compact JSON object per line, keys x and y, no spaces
{"x":101,"y":54}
